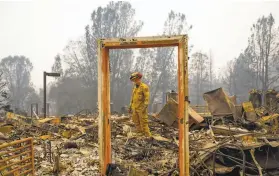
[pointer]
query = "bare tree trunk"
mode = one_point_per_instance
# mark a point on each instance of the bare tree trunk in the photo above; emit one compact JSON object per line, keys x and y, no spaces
{"x":266,"y":74}
{"x":258,"y":71}
{"x":201,"y":80}
{"x":266,"y":60}
{"x":210,"y":70}
{"x":197,"y":88}
{"x":160,"y":79}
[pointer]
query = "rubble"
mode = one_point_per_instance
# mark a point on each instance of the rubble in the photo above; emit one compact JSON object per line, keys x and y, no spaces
{"x":2,"y":136}
{"x":169,"y":113}
{"x":78,"y":151}
{"x":227,"y":143}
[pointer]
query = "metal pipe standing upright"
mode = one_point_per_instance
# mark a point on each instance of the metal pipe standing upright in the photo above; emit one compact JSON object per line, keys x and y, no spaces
{"x":44,"y":94}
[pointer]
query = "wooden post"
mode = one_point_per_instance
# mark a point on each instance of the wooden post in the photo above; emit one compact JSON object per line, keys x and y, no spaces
{"x":183,"y":122}
{"x":104,"y":108}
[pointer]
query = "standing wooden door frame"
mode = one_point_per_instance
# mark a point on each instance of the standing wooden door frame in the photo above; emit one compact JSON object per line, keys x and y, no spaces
{"x":104,"y":45}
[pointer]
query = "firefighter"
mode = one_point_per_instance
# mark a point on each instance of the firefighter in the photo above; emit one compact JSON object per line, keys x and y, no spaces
{"x":139,"y":104}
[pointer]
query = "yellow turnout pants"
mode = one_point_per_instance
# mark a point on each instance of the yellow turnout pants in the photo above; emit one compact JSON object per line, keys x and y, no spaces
{"x":140,"y":118}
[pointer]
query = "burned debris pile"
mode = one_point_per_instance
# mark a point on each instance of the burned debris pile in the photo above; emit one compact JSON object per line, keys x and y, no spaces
{"x":238,"y":140}
{"x":69,"y":145}
{"x":233,"y":140}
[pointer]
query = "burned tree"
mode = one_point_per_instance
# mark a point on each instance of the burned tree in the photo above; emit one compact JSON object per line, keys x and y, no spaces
{"x":164,"y":68}
{"x":3,"y":94}
{"x":200,"y":70}
{"x":16,"y":73}
{"x":264,"y":48}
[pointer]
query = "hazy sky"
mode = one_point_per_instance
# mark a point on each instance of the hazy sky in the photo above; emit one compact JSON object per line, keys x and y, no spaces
{"x":40,"y":29}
